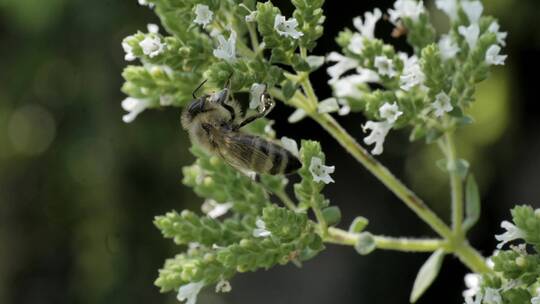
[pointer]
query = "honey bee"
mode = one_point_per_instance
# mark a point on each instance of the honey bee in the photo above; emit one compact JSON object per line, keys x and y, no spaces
{"x":214,"y":122}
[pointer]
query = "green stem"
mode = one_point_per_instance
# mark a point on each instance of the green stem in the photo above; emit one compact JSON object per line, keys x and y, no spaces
{"x":320,"y":219}
{"x":382,"y":173}
{"x":471,"y":258}
{"x":253,"y":37}
{"x":456,"y":184}
{"x":342,"y":237}
{"x":287,"y":201}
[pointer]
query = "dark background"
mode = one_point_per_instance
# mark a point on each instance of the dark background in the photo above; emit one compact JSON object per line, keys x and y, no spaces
{"x":79,"y":188}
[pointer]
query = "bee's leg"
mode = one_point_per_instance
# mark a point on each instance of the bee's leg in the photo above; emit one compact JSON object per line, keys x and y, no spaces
{"x":267,"y":106}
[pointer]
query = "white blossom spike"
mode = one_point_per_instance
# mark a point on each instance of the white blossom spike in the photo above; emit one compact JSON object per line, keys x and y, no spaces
{"x":189,"y":292}
{"x":385,"y":66}
{"x":226,"y":49}
{"x":151,"y":46}
{"x":203,"y":15}
{"x":412,"y":75}
{"x":356,"y":44}
{"x":379,"y":130}
{"x":286,"y":27}
{"x":367,"y":26}
{"x":494,"y":27}
{"x":449,"y":7}
{"x":320,"y":172}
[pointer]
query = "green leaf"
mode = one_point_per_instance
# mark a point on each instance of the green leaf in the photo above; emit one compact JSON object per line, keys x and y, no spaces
{"x":358,"y":224}
{"x":427,"y":274}
{"x":472,"y":203}
{"x":365,"y":243}
{"x":332,"y":215}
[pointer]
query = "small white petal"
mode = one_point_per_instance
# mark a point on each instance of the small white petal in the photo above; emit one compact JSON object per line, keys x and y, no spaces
{"x":449,"y":7}
{"x":203,"y":14}
{"x":492,"y":296}
{"x":471,"y":34}
{"x":214,"y":209}
{"x":256,"y":92}
{"x":412,"y":74}
{"x":501,"y":36}
{"x":189,"y":292}
{"x":472,"y":282}
{"x":473,"y":10}
{"x":252,"y":17}
{"x":223,"y":286}
{"x":320,"y":172}
{"x":406,"y":9}
{"x":349,"y":86}
{"x":328,"y":105}
{"x":367,"y":27}
{"x":442,"y":104}
{"x":379,"y":130}
{"x":390,"y":112}
{"x":345,"y":107}
{"x":129,"y":51}
{"x":290,"y":145}
{"x":286,"y":27}
{"x":226,"y":49}
{"x":512,"y":233}
{"x":315,"y":62}
{"x":134,"y":106}
{"x":261,"y":231}
{"x":343,"y":64}
{"x":356,"y":44}
{"x":152,"y":28}
{"x":151,"y":46}
{"x":297,"y":115}
{"x":385,"y":66}
{"x":493,"y":56}
{"x":145,"y":3}
{"x":448,"y":47}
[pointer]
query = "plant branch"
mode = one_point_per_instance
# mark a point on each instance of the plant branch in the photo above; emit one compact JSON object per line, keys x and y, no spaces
{"x":456,"y":184}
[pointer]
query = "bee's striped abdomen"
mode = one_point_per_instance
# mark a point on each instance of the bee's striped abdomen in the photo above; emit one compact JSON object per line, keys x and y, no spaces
{"x":268,"y":157}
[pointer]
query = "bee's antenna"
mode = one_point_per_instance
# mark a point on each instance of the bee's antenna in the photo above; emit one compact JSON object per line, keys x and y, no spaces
{"x":195,"y":91}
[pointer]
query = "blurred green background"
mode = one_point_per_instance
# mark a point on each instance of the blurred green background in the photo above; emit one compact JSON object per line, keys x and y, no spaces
{"x":79,"y":188}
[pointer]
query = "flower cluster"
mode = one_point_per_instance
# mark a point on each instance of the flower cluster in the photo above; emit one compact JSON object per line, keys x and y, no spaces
{"x":416,"y":87}
{"x":516,"y":276}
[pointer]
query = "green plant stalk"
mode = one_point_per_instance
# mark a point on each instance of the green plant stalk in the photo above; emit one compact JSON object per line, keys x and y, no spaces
{"x":342,"y":237}
{"x":456,"y":185}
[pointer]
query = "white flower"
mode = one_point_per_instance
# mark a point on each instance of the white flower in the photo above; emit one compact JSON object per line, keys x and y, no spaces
{"x":261,"y":231}
{"x":512,"y":233}
{"x":379,"y":130}
{"x":536,"y":300}
{"x":501,"y":36}
{"x":442,"y":104}
{"x":223,"y":286}
{"x":471,"y":34}
{"x":251,"y":17}
{"x":203,"y":15}
{"x":367,"y":27}
{"x":448,"y":47}
{"x":152,"y":28}
{"x":406,"y":9}
{"x":129,"y":51}
{"x":189,"y":292}
{"x":449,"y":7}
{"x":343,"y":64}
{"x":315,"y":62}
{"x":328,"y":105}
{"x":297,"y":115}
{"x":477,"y":299}
{"x":320,"y":172}
{"x":214,"y":209}
{"x":390,"y":112}
{"x":226,"y":49}
{"x":290,"y":145}
{"x":145,"y":3}
{"x":473,"y":10}
{"x":134,"y":106}
{"x":345,"y":107}
{"x":348,"y":86}
{"x":492,"y":296}
{"x":493,"y":56}
{"x":472,"y":281}
{"x":256,"y":92}
{"x":385,"y":66}
{"x":356,"y":45}
{"x":152,"y":46}
{"x":286,"y":27}
{"x":412,"y":74}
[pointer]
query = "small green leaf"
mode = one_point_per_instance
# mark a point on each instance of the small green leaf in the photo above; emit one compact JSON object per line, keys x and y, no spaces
{"x":427,"y":274}
{"x":358,"y":224}
{"x":472,"y":203}
{"x":332,"y":215}
{"x":365,"y":243}
{"x":289,"y":88}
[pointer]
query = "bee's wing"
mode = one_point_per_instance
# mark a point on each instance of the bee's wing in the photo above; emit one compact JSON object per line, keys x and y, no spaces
{"x":246,"y":151}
